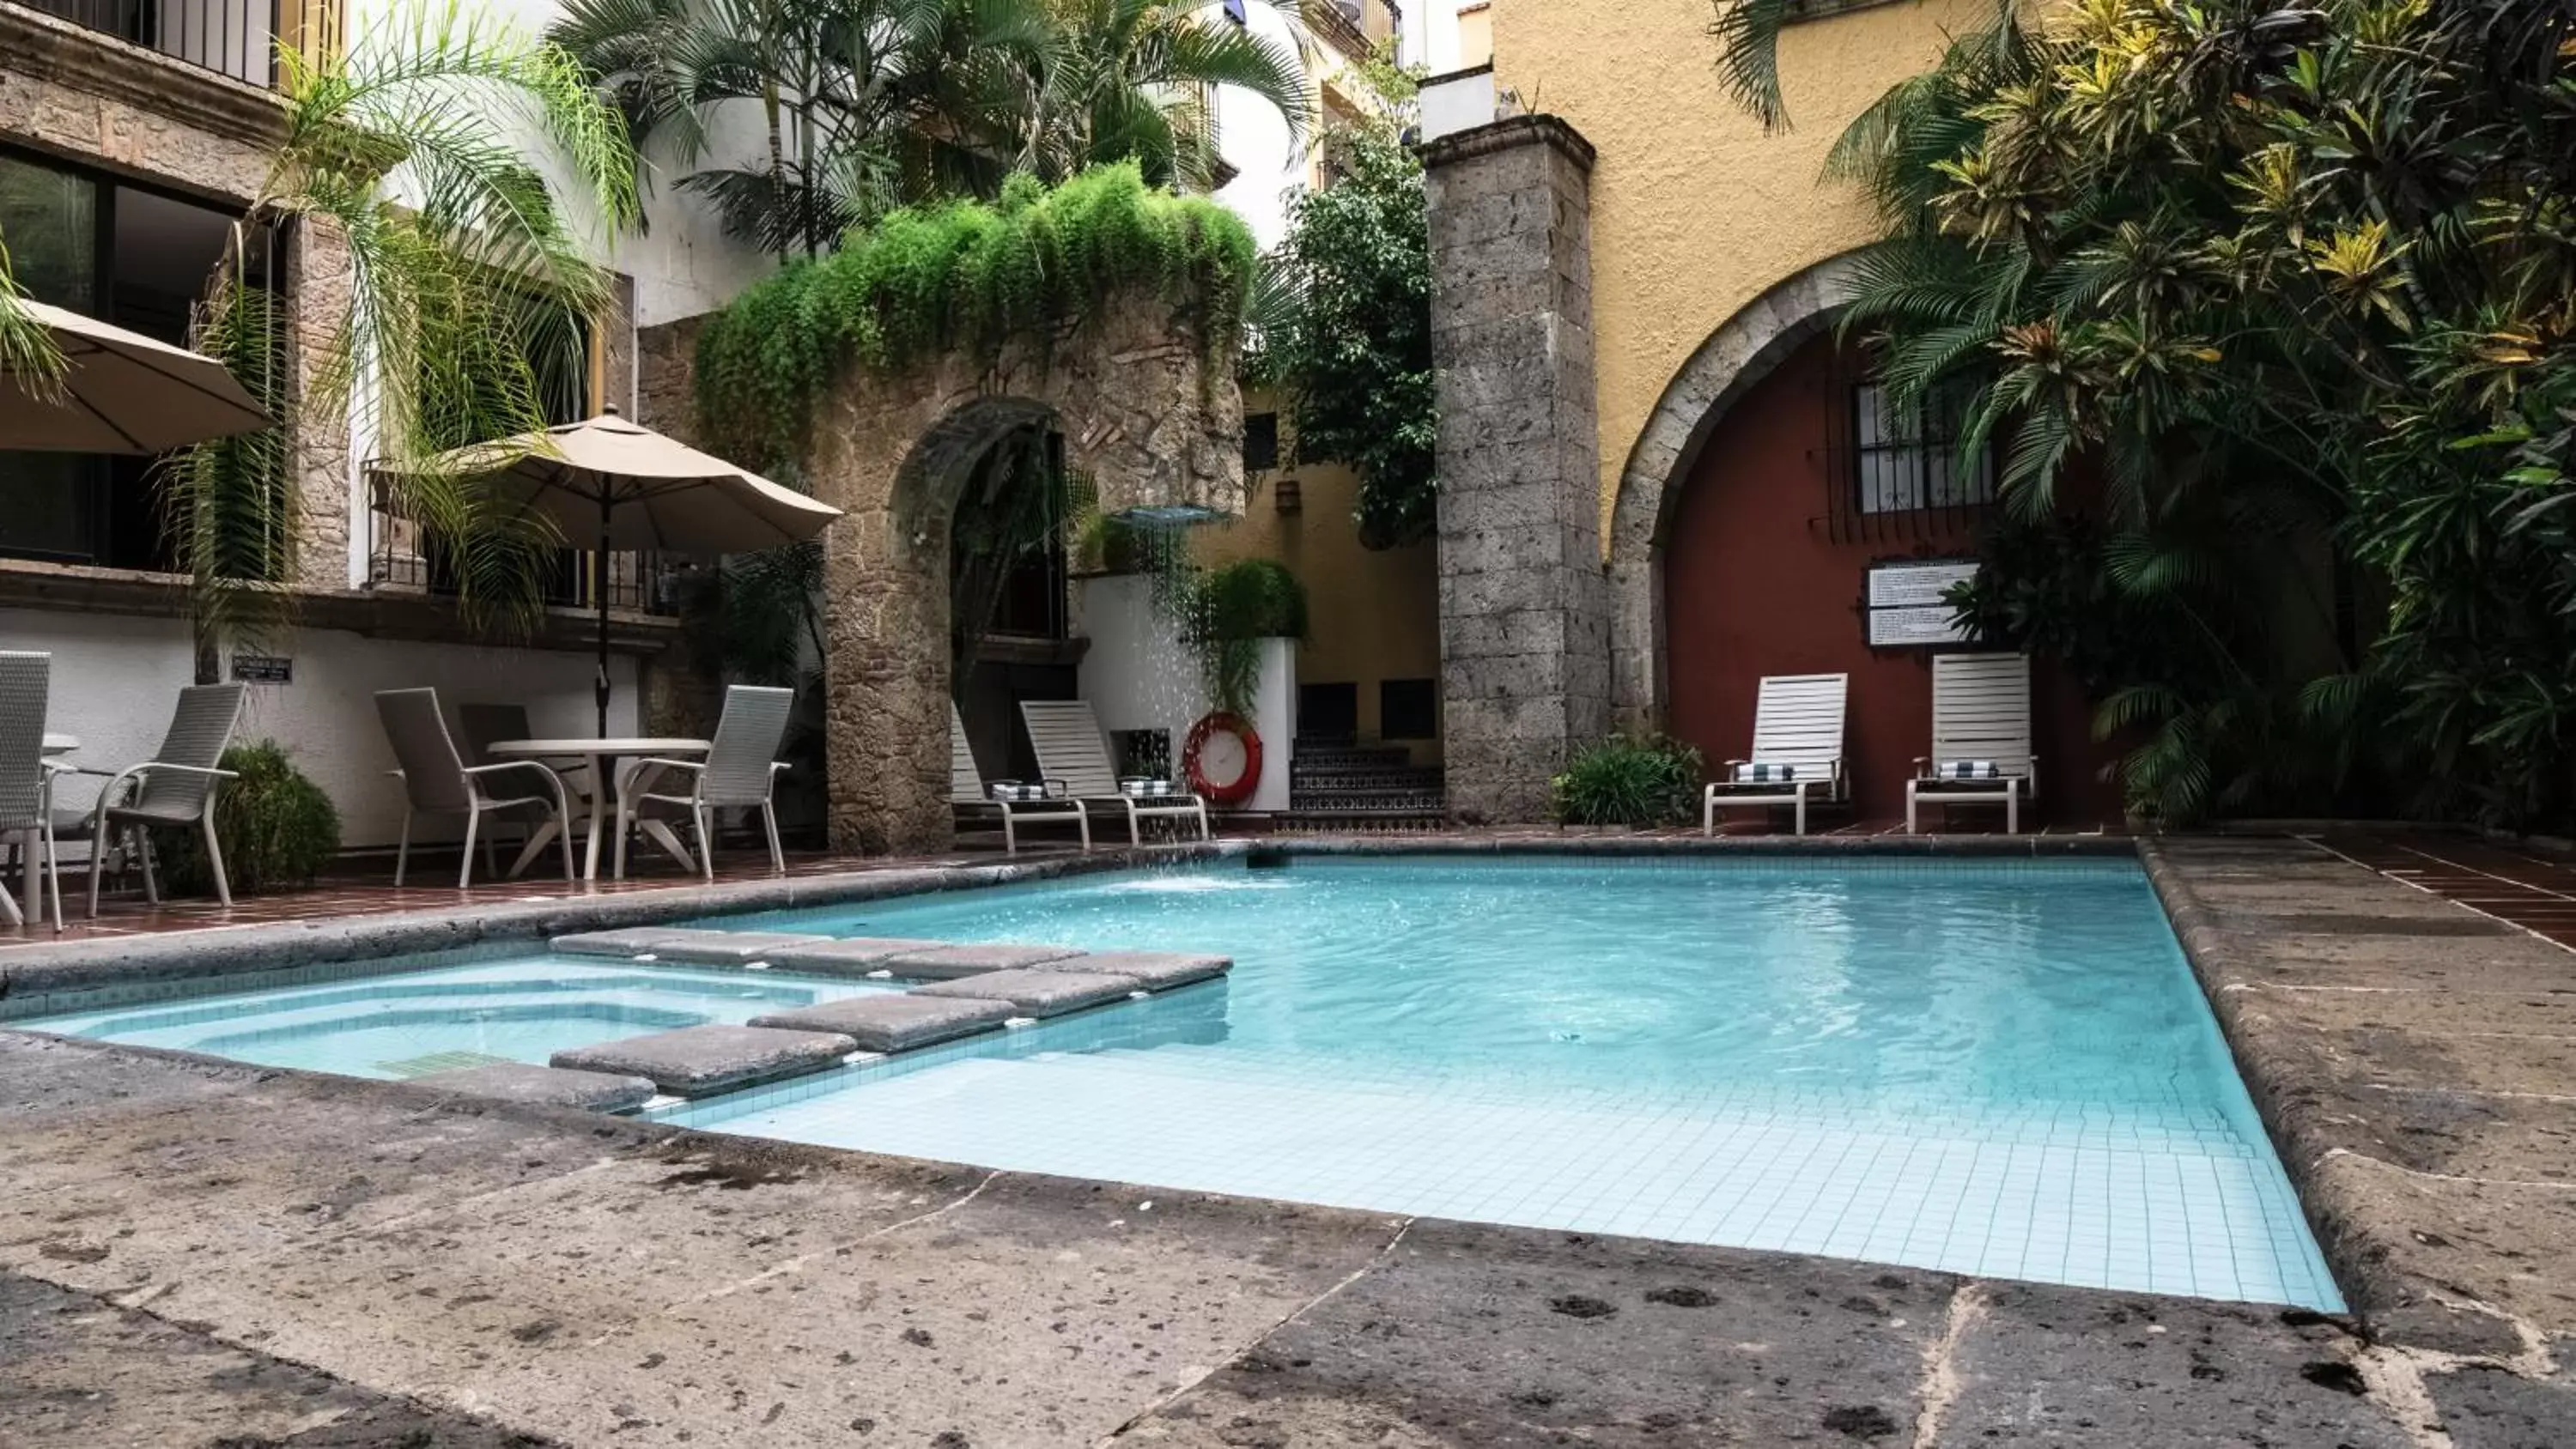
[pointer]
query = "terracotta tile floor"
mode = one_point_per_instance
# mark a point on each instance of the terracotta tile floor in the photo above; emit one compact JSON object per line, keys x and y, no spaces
{"x":2527,"y":887}
{"x":365,"y":888}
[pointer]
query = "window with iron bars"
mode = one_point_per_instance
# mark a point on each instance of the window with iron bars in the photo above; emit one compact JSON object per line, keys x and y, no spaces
{"x":1893,"y":477}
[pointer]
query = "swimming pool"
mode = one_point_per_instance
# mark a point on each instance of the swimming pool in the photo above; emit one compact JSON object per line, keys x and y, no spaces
{"x":409,"y":1024}
{"x":1998,"y":1068}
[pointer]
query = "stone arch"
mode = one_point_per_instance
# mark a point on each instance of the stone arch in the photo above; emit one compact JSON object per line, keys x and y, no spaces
{"x":1142,"y":412}
{"x":1740,"y":353}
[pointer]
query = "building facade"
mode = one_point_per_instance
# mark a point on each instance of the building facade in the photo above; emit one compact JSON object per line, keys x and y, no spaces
{"x":1663,"y":475}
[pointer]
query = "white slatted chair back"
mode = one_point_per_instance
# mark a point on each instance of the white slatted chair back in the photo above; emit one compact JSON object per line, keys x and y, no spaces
{"x":1799,"y":721}
{"x":199,"y":730}
{"x":25,"y":680}
{"x":1981,"y":710}
{"x":1066,"y":737}
{"x":433,"y":773}
{"x":746,"y":745}
{"x":965,"y":780}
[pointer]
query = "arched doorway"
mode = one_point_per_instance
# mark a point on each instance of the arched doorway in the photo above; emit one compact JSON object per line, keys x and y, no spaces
{"x":1145,"y":411}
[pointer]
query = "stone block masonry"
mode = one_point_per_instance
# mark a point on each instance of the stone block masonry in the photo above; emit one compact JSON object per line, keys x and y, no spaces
{"x":1524,"y":606}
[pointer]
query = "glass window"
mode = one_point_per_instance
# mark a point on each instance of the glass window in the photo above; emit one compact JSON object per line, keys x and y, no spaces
{"x":1906,"y":465}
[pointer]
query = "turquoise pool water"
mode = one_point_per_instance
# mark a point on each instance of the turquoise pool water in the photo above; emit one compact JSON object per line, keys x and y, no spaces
{"x":1993,"y":1068}
{"x":413,"y":1023}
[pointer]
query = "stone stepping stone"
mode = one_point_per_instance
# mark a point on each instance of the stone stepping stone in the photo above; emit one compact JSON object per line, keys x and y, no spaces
{"x":1153,"y":970}
{"x":1037,"y":991}
{"x":698,"y":1061}
{"x":895,"y":1022}
{"x":849,"y":956}
{"x":947,"y":963}
{"x":534,"y":1085}
{"x":729,"y":948}
{"x":628,"y":941}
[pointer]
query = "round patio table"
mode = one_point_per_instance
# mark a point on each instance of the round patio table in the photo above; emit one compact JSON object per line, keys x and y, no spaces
{"x":601,"y":755}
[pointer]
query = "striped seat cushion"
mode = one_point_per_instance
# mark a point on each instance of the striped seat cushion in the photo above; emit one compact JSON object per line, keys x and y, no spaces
{"x":1762,"y":772}
{"x":1968,"y":770}
{"x":1018,"y":792}
{"x":1143,"y":789}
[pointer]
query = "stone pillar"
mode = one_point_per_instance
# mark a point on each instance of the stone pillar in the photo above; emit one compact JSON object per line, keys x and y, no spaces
{"x":1524,"y":608}
{"x":319,"y":281}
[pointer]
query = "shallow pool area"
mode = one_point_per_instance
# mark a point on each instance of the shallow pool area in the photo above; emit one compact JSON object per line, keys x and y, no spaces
{"x":412,"y":1023}
{"x":1987,"y":1067}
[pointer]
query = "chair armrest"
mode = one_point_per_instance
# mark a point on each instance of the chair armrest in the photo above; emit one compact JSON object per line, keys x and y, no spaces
{"x":780,"y":767}
{"x":206,"y":770}
{"x":670,"y":764}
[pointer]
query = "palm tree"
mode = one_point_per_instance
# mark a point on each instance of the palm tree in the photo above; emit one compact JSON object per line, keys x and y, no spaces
{"x":865,"y":105}
{"x":466,"y":266}
{"x":27,"y":349}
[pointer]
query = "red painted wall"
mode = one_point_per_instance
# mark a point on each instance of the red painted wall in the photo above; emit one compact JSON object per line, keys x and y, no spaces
{"x":1755,"y":584}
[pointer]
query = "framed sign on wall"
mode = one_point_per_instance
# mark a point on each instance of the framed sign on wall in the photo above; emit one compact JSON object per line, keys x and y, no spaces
{"x":1904,"y":607}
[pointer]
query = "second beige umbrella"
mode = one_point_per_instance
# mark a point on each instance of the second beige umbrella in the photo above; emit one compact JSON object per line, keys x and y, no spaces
{"x":639,"y":490}
{"x":121,"y":392}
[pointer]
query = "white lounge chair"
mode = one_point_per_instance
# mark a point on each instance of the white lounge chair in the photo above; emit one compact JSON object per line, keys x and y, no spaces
{"x":1981,"y":752}
{"x":175,"y":788}
{"x":1070,"y":747}
{"x":1013,"y":801}
{"x":1797,"y":750}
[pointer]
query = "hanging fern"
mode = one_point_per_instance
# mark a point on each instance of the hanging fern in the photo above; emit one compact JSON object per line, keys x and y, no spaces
{"x":968,"y":276}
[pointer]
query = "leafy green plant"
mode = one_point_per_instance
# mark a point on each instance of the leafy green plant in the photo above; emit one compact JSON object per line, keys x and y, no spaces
{"x":2298,"y":284}
{"x":411,"y":149}
{"x":1639,"y":780}
{"x":1344,"y":324}
{"x":1228,"y":611}
{"x":967,"y":276}
{"x":277,"y":828}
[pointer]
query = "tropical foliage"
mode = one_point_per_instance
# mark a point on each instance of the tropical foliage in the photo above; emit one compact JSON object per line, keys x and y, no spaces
{"x":964,"y":275}
{"x":1344,"y":328}
{"x":864,"y":106}
{"x":1227,"y":611}
{"x":27,"y":350}
{"x":2275,"y":303}
{"x":1644,"y":781}
{"x":465,"y":271}
{"x":276,"y":827}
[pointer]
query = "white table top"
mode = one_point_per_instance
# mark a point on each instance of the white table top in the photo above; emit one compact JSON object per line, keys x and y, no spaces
{"x":612,"y":745}
{"x":60,"y":744}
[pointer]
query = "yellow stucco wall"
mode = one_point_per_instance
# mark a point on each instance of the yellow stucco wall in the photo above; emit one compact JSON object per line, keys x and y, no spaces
{"x":1695,"y":211}
{"x":1373,"y":615}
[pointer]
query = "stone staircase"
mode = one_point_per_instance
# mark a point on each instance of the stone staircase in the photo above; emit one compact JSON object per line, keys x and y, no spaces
{"x":1338,"y":785}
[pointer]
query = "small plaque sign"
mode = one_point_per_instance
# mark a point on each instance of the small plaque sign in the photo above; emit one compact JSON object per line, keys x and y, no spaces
{"x":251,"y":668}
{"x":1905,"y":605}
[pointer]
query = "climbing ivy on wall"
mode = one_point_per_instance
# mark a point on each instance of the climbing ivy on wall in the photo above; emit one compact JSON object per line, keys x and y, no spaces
{"x":967,"y":275}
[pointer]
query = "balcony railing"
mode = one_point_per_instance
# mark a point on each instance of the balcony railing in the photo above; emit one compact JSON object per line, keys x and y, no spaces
{"x":400,"y":557}
{"x":236,"y":38}
{"x":1354,"y":27}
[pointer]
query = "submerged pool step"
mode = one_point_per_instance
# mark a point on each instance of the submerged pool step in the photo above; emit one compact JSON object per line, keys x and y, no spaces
{"x":693,"y":945}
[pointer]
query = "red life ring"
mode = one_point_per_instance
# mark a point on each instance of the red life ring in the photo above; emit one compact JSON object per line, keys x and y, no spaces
{"x":1239,"y":789}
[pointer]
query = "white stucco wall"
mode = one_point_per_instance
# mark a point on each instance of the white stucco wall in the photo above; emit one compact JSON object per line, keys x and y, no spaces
{"x":1138,"y":675}
{"x":116,"y":678}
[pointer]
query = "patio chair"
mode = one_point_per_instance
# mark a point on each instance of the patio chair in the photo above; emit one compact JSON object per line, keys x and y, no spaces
{"x":486,"y":725}
{"x":437,"y":781}
{"x":26,"y":781}
{"x":1981,"y":752}
{"x":1070,"y":747}
{"x":740,"y":771}
{"x":175,"y":789}
{"x":1013,"y":801}
{"x":1797,"y":750}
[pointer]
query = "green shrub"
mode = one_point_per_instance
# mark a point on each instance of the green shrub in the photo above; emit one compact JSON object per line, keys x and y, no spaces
{"x":278,"y":829}
{"x":1231,"y":608}
{"x":1625,"y":780}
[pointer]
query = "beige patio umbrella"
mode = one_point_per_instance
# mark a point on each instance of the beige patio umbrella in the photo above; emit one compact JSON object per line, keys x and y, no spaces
{"x":638,"y":490}
{"x":121,"y":392}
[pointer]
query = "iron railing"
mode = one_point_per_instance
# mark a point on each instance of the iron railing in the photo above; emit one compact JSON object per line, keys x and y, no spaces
{"x":401,"y":556}
{"x":236,"y":38}
{"x":1354,"y":27}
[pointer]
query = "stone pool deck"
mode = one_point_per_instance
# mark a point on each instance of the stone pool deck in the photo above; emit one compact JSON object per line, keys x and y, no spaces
{"x":196,"y":1252}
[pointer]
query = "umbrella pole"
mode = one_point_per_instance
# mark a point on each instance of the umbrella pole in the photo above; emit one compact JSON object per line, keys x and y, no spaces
{"x":599,"y":581}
